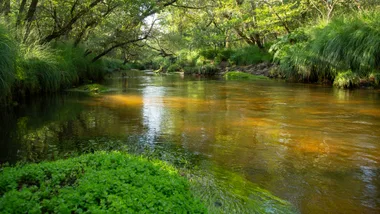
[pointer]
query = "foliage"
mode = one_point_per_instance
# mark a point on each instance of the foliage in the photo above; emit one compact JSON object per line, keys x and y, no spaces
{"x":346,"y":43}
{"x":249,"y":55}
{"x":351,"y":42}
{"x":7,"y":62}
{"x":346,"y":79}
{"x":235,"y":75}
{"x":92,"y":88}
{"x":209,"y":54}
{"x":41,"y":68}
{"x":174,"y":68}
{"x":100,"y":182}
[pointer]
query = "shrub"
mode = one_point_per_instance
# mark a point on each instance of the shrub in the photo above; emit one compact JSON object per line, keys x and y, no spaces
{"x":209,"y":54}
{"x":375,"y":77}
{"x":94,"y":183}
{"x":236,"y":75}
{"x":39,"y":69}
{"x":174,"y":68}
{"x":249,"y":55}
{"x":346,"y":79}
{"x":192,"y":70}
{"x":223,"y":55}
{"x":351,"y":42}
{"x":209,"y":70}
{"x":346,"y":43}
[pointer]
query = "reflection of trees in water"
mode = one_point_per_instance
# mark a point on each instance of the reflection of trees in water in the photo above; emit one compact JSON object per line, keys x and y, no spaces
{"x":54,"y":126}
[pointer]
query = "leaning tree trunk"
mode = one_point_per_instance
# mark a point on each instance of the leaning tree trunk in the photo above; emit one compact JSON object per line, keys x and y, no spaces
{"x":29,"y":18}
{"x":20,"y":12}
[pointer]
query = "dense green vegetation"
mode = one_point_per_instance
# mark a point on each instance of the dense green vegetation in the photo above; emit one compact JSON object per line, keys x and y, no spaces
{"x":46,"y":46}
{"x":330,"y":41}
{"x":100,"y":182}
{"x":344,"y":51}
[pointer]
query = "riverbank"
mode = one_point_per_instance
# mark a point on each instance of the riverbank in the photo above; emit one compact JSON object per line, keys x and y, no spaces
{"x":31,"y":68}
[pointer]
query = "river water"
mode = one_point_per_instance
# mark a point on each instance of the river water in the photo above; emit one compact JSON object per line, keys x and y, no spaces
{"x":313,"y":146}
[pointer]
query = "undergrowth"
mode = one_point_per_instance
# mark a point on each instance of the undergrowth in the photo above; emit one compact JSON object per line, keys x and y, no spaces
{"x":96,"y":183}
{"x":30,"y":67}
{"x":348,"y":43}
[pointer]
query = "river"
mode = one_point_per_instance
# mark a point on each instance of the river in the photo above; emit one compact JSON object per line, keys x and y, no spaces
{"x":314,"y":146}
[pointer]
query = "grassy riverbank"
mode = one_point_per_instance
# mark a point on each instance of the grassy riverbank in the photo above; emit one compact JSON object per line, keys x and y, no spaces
{"x":33,"y":68}
{"x":344,"y":52}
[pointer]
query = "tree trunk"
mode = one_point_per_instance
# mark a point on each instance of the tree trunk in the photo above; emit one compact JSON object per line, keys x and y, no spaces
{"x":67,"y":27}
{"x":20,"y":12}
{"x":258,"y":41}
{"x":29,"y":18}
{"x":31,"y":11}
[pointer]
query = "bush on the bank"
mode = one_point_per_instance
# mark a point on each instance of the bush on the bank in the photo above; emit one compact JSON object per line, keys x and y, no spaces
{"x":192,"y":70}
{"x":346,"y":79}
{"x":249,"y":55}
{"x":30,"y":68}
{"x":209,"y":54}
{"x":49,"y":69}
{"x":346,"y":43}
{"x":100,"y":182}
{"x":236,"y":75}
{"x":174,"y":68}
{"x":205,"y":70}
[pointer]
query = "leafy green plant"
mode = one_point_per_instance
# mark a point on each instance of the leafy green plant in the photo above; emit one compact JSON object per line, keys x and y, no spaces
{"x":249,"y":55}
{"x":346,"y":79}
{"x":174,"y":68}
{"x":209,"y":54}
{"x":100,"y":182}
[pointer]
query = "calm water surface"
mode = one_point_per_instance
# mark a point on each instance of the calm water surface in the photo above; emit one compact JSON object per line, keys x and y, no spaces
{"x":316,"y":147}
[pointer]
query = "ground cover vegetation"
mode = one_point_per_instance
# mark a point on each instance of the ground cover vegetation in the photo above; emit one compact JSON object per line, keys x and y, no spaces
{"x":97,"y":183}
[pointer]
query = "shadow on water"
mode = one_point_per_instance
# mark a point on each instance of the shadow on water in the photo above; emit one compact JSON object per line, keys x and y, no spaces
{"x":244,"y":144}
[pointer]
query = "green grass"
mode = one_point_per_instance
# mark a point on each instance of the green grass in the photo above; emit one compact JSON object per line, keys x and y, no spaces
{"x":236,"y":75}
{"x":350,"y":42}
{"x":96,"y":183}
{"x":7,"y":62}
{"x":31,"y":68}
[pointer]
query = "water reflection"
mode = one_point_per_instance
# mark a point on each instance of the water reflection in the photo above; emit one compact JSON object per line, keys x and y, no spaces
{"x":153,"y":111}
{"x":314,"y":146}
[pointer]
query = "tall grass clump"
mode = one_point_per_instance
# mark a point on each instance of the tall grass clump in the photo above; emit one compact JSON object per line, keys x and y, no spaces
{"x":296,"y":60}
{"x":343,"y":51}
{"x":351,"y":42}
{"x":38,"y":69}
{"x":45,"y":68}
{"x":8,"y":53}
{"x":80,"y":65}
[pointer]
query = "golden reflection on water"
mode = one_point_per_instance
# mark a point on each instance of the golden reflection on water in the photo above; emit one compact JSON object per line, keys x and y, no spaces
{"x":306,"y":145}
